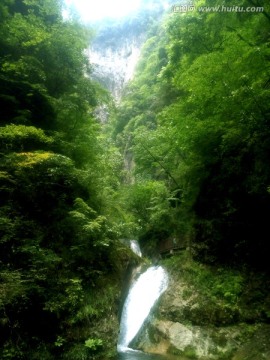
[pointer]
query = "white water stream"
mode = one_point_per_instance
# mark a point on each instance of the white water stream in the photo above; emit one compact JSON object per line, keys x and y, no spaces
{"x":135,"y":247}
{"x":139,"y":302}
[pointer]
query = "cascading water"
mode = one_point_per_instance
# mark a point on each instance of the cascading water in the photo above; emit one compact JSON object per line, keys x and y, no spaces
{"x":139,"y":302}
{"x":135,"y":247}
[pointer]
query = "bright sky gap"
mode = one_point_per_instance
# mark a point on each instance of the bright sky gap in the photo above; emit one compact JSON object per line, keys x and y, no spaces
{"x":90,"y":10}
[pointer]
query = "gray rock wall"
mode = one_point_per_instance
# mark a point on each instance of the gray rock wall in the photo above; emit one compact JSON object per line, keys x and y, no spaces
{"x":184,"y":323}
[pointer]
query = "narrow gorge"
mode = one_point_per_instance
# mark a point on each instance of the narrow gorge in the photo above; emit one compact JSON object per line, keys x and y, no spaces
{"x":134,"y":180}
{"x":203,"y":314}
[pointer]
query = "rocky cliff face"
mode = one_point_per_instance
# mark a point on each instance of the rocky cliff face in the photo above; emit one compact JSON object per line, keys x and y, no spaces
{"x":192,"y":323}
{"x":116,"y":48}
{"x":183,"y":325}
{"x":114,"y":65}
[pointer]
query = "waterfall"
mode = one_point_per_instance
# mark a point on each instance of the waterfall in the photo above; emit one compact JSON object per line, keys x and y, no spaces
{"x":135,"y":247}
{"x":139,"y":302}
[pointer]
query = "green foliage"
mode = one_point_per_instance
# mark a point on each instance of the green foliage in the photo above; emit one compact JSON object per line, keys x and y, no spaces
{"x":59,"y":342}
{"x":93,"y":344}
{"x":193,"y":130}
{"x":23,"y":138}
{"x":221,"y":284}
{"x":196,"y":117}
{"x":56,"y":242}
{"x":22,"y":103}
{"x":70,"y":298}
{"x":11,"y":288}
{"x":222,"y":296}
{"x":91,"y":229}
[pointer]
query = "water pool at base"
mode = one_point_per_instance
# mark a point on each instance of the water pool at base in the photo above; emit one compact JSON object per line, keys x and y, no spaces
{"x":138,"y":355}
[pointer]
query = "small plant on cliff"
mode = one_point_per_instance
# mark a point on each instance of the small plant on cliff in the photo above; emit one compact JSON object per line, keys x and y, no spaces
{"x":93,"y":344}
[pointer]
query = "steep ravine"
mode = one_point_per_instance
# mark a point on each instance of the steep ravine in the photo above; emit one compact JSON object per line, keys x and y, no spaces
{"x":206,"y":313}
